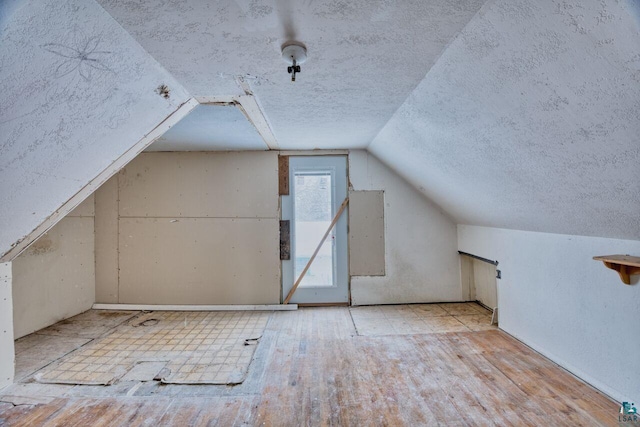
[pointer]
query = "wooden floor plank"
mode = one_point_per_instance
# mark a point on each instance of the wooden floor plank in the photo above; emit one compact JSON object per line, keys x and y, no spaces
{"x":316,"y":370}
{"x":496,"y":392}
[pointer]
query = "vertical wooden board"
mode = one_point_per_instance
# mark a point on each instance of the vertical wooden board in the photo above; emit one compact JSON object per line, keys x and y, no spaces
{"x":285,"y":240}
{"x":366,"y":233}
{"x":283,"y":175}
{"x":7,"y":352}
{"x":106,"y":231}
{"x":199,"y":261}
{"x":203,"y":185}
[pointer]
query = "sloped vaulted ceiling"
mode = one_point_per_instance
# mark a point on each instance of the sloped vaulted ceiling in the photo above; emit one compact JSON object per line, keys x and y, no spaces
{"x":77,"y":93}
{"x":530,"y":120}
{"x":365,"y":56}
{"x":507,"y":113}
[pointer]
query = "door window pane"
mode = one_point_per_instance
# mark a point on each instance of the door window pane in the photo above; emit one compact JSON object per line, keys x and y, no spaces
{"x":312,"y":216}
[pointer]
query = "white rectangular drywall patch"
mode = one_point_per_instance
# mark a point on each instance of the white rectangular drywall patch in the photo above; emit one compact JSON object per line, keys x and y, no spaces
{"x":366,"y":233}
{"x":7,"y":352}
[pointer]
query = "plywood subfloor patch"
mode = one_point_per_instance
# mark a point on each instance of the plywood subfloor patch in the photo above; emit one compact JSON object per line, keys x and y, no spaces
{"x":37,"y":350}
{"x":196,"y":348}
{"x":411,"y":319}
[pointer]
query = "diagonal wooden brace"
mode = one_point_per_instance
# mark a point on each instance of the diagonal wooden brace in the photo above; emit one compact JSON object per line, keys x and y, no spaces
{"x":306,"y":268}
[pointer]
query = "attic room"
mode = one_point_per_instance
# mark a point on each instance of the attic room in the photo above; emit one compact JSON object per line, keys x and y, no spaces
{"x":272,"y":212}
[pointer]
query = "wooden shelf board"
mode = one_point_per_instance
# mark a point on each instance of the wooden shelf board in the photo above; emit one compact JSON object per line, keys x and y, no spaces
{"x":625,"y":265}
{"x":620,"y":259}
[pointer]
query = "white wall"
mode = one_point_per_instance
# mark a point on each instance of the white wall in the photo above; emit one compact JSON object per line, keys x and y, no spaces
{"x":565,"y":305}
{"x":422,"y":262}
{"x":7,"y":353}
{"x":55,"y":278}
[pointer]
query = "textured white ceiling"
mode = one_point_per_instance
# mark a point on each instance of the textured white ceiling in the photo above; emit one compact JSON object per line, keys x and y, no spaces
{"x":365,"y":57}
{"x":530,"y":120}
{"x":77,"y":93}
{"x":527,"y":119}
{"x":7,"y":9}
{"x":211,"y":128}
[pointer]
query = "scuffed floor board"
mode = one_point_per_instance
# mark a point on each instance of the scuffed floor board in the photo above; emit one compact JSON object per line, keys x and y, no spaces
{"x":312,"y":367}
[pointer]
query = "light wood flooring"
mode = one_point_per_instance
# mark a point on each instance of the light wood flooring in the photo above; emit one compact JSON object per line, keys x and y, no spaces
{"x":412,"y":319}
{"x":312,"y":367}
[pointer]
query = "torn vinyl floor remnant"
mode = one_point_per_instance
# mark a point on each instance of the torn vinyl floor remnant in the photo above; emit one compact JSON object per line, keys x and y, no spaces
{"x":190,"y":347}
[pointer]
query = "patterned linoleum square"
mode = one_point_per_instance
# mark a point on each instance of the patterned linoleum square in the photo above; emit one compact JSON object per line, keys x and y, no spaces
{"x":197,"y":348}
{"x":410,"y":319}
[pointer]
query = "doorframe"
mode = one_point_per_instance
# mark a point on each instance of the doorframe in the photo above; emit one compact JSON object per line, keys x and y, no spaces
{"x":319,"y":153}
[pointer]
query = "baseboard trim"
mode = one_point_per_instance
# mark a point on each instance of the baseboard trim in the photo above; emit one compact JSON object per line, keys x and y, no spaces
{"x":167,"y":307}
{"x":323,"y":304}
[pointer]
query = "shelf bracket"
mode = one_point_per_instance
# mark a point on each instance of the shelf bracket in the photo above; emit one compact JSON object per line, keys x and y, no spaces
{"x":624,"y":265}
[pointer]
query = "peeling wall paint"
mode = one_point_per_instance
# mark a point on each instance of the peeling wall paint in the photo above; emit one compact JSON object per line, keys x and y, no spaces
{"x":78,"y":92}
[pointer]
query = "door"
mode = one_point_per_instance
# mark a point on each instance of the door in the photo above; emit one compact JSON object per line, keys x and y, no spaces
{"x":317,"y":188}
